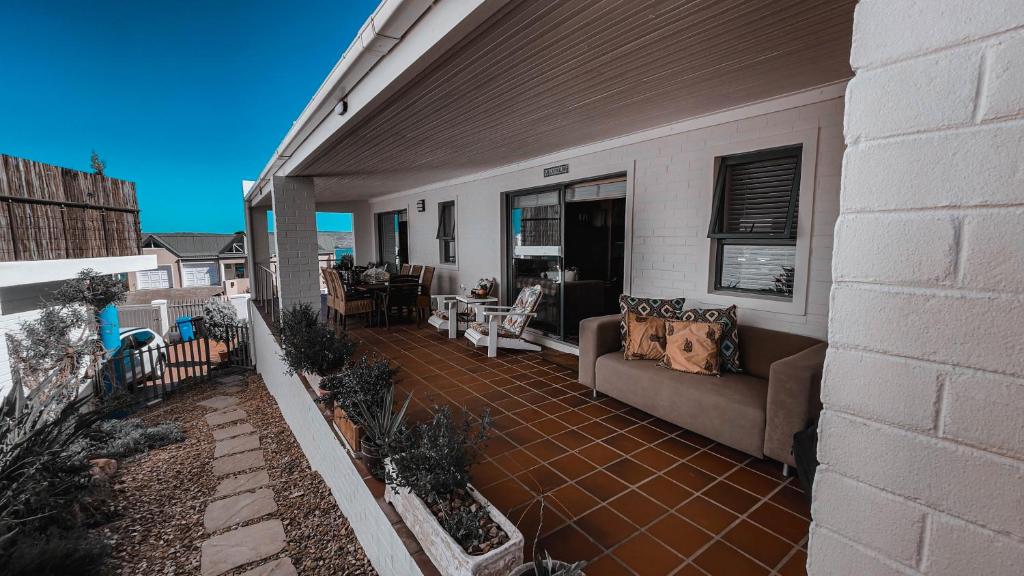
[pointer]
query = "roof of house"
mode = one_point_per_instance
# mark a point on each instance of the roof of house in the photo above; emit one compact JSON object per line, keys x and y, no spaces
{"x":197,"y":244}
{"x":327,"y":242}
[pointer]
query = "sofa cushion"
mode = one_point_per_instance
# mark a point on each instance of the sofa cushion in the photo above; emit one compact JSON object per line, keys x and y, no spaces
{"x":645,"y":337}
{"x":729,"y":408}
{"x":657,"y":307}
{"x":692,"y":346}
{"x":729,"y":349}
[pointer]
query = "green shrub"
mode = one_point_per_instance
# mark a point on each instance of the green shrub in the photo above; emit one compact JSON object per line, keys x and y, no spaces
{"x":366,"y":380}
{"x":220,"y":319}
{"x":442,"y":452}
{"x":123,"y":438}
{"x":310,"y":346}
{"x":55,"y":553}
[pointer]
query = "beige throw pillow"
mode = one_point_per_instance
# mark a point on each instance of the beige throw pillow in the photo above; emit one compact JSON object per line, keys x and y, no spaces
{"x":644,"y":337}
{"x":692,"y":346}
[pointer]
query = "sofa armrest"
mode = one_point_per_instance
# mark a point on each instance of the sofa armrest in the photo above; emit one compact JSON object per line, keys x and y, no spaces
{"x":794,"y":399}
{"x":598,"y":336}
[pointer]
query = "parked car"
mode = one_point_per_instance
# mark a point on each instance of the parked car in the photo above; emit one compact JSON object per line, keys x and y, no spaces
{"x":142,"y":354}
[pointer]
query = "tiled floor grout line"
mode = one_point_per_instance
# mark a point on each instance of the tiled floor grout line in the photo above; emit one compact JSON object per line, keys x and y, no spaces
{"x":460,"y":385}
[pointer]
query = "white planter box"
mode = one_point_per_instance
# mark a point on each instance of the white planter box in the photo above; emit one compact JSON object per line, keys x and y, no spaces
{"x":446,"y":554}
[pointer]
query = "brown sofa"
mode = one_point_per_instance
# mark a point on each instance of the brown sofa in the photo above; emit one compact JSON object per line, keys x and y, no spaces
{"x":757,"y":411}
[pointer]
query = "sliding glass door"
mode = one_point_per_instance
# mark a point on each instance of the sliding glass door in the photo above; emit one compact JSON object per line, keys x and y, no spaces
{"x":570,"y":240}
{"x":535,"y":248}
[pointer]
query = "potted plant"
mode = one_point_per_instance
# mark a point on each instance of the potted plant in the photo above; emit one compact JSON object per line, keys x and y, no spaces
{"x":429,"y":485}
{"x":366,"y":380}
{"x":221,"y":321}
{"x":384,"y":429}
{"x":544,"y":565}
{"x":311,"y":347}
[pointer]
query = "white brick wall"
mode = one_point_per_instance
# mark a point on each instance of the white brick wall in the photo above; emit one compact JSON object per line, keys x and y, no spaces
{"x":298,"y":270}
{"x":922,"y":437}
{"x":382,"y":544}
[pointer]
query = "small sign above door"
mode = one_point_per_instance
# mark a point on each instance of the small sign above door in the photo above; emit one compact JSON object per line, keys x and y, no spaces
{"x":556,"y":170}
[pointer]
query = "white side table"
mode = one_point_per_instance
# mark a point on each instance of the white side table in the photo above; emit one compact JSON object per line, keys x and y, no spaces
{"x":471,"y":303}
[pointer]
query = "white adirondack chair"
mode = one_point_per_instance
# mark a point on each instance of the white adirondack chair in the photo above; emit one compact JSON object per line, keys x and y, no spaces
{"x":503,"y":325}
{"x":446,"y":307}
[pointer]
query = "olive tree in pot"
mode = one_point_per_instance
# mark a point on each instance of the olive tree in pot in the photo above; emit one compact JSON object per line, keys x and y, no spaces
{"x":429,"y":485}
{"x":221,"y":323}
{"x":312,"y":347}
{"x":365,"y":380}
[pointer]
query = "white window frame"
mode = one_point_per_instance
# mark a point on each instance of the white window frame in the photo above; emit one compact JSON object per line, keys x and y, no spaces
{"x":797,"y":305}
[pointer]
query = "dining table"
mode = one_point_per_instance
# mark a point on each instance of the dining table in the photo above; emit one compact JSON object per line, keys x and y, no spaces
{"x":375,"y":290}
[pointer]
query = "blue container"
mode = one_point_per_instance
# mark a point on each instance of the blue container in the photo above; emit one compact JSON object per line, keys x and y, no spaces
{"x":109,"y":327}
{"x":185,"y":328}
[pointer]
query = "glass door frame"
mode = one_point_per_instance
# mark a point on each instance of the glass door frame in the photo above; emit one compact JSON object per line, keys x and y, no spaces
{"x":561,"y":188}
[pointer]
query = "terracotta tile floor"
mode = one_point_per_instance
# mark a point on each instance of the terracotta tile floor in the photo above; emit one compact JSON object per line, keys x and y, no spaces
{"x":633,"y":494}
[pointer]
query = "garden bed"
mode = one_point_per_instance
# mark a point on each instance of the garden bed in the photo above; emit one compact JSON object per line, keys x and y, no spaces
{"x":161,"y":495}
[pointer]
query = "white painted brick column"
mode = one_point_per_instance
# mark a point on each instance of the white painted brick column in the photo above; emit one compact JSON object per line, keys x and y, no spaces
{"x":298,"y":271}
{"x":922,"y":436}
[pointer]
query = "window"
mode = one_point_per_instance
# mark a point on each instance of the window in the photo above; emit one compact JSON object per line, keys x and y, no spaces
{"x":754,"y":220}
{"x":446,"y":231}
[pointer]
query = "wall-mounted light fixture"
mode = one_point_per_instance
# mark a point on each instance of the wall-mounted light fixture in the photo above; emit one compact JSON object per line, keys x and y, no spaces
{"x":421,"y":205}
{"x":341,"y":107}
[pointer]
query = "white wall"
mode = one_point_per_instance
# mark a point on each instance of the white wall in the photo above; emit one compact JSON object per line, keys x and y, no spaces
{"x":922,"y":437}
{"x":671,"y":178}
{"x":326,"y":455}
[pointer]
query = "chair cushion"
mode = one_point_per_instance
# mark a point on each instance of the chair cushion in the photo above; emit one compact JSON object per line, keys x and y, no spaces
{"x":483,"y":329}
{"x":692,"y":346}
{"x":657,"y":307}
{"x":525,"y":303}
{"x":645,"y":337}
{"x":729,"y":348}
{"x":441,"y":314}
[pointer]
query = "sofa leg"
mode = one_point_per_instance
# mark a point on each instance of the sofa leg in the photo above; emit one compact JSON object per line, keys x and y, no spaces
{"x":785,"y":470}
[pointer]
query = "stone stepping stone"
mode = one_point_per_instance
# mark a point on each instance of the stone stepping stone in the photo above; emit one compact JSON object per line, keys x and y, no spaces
{"x":237,"y":509}
{"x":242,"y":546}
{"x":221,"y":418}
{"x":236,"y":445}
{"x":231,"y":431}
{"x":238,"y":463}
{"x":220,"y":402}
{"x":279,"y":567}
{"x":242,"y":483}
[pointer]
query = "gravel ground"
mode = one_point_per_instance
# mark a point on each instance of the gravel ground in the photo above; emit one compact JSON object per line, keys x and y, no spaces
{"x":160,"y":496}
{"x":320,"y":540}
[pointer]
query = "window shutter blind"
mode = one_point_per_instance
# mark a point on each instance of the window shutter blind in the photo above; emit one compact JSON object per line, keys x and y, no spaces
{"x":757,"y":195}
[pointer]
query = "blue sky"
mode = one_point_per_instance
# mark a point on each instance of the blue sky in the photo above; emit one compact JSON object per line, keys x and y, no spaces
{"x":185,"y":98}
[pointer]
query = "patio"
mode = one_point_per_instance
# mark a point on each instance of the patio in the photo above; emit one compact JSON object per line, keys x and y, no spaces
{"x":631,"y":493}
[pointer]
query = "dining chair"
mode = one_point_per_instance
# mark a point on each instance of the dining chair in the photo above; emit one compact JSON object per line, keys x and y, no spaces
{"x":405,"y":269}
{"x":423,"y":299}
{"x":401,"y":294}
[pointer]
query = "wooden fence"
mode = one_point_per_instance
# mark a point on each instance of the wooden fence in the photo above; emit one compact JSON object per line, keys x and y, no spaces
{"x":51,"y":213}
{"x":148,"y":371}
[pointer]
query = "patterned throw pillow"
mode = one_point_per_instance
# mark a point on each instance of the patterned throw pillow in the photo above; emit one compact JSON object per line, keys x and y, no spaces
{"x":527,"y":301}
{"x":645,"y":337}
{"x":730,"y":346}
{"x":692,"y":346}
{"x":669,"y":308}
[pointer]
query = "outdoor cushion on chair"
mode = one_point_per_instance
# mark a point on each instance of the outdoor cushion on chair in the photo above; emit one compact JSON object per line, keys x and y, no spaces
{"x":516,"y":321}
{"x":482,"y":328}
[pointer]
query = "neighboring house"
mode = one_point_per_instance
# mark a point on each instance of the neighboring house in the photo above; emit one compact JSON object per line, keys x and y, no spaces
{"x":191,"y":260}
{"x":708,"y":142}
{"x":54,"y":223}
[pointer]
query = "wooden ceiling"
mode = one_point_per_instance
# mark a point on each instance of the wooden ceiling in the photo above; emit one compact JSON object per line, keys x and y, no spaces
{"x":542,"y":76}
